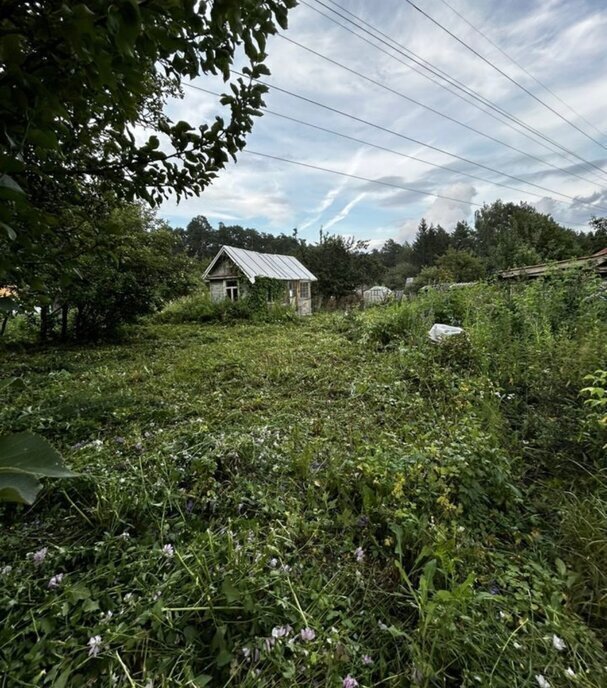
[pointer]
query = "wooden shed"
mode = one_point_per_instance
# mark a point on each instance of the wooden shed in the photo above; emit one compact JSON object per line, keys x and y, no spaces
{"x":233,"y":270}
{"x":596,"y":262}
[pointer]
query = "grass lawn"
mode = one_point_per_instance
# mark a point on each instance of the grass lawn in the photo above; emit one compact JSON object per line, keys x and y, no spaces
{"x":293,"y":504}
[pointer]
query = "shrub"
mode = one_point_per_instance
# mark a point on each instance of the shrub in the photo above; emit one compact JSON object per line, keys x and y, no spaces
{"x":198,"y":308}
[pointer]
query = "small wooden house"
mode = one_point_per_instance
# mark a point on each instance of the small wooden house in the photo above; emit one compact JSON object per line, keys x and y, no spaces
{"x":233,"y":270}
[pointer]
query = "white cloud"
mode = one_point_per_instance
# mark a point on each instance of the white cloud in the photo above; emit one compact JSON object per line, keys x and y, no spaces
{"x":560,"y":42}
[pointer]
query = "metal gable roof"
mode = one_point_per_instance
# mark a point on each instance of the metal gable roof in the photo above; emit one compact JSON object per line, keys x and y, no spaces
{"x":254,"y":264}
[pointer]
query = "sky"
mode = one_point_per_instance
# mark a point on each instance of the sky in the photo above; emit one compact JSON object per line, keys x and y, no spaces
{"x":559,"y":42}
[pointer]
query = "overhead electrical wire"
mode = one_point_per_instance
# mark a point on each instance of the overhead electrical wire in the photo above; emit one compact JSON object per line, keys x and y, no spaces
{"x":505,"y":74}
{"x":408,"y":98}
{"x":392,"y":150}
{"x":366,"y":179}
{"x":459,"y":86}
{"x":363,"y":179}
{"x":522,"y":68}
{"x":406,"y":155}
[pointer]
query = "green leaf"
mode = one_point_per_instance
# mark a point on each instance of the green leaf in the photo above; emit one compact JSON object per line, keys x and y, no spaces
{"x":31,"y":453}
{"x":61,"y":682}
{"x":13,"y":383}
{"x":8,"y":182}
{"x":232,"y":594}
{"x":20,"y":488}
{"x":12,"y":235}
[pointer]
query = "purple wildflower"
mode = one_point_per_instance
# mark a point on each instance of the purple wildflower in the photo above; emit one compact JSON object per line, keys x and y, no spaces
{"x":40,"y":556}
{"x":168,"y":551}
{"x":367,"y":661}
{"x":281,"y":631}
{"x":307,"y":634}
{"x":55,"y":581}
{"x":359,"y":553}
{"x":349,"y":682}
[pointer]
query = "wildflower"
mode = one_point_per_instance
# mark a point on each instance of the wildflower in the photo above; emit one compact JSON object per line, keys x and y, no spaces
{"x":55,"y":581}
{"x":106,"y":616}
{"x":307,"y":634}
{"x":126,"y":536}
{"x":542,"y":682}
{"x":281,"y":631}
{"x":156,"y":595}
{"x":570,"y":672}
{"x":168,"y":551}
{"x":246,"y":652}
{"x":558,"y":643}
{"x":273,"y":563}
{"x":367,"y":661}
{"x":382,"y":626}
{"x":40,"y":556}
{"x":269,"y":643}
{"x":128,"y":597}
{"x":285,"y":568}
{"x":349,"y":682}
{"x":94,"y":645}
{"x":359,"y":553}
{"x":6,"y":570}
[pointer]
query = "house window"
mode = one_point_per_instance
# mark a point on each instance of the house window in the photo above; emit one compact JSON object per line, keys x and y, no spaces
{"x":304,"y":290}
{"x":232,"y":290}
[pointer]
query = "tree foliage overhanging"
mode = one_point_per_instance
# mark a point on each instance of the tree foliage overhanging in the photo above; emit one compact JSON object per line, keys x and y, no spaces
{"x":81,"y":83}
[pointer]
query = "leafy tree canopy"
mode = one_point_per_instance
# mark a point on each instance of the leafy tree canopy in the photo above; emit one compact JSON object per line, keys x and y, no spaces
{"x":79,"y":80}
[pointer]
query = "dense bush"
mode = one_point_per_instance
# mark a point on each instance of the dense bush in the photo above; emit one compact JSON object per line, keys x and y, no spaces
{"x":198,"y":307}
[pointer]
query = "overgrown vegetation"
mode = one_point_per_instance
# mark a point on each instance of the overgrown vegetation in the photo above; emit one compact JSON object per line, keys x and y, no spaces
{"x":257,"y":306}
{"x":281,"y":505}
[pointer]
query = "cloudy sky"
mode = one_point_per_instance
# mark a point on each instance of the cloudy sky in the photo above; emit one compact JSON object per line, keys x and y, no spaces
{"x":559,"y":42}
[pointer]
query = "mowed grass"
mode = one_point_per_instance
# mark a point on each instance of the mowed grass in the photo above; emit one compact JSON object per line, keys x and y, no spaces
{"x":409,"y":507}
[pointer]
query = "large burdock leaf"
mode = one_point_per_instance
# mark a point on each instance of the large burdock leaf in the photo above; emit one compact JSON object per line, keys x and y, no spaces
{"x":20,"y":488}
{"x":23,"y":457}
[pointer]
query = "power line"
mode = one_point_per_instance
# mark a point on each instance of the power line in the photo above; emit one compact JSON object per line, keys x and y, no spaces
{"x":406,"y":97}
{"x":433,"y":69}
{"x":406,"y":155}
{"x":366,"y":179}
{"x":507,"y":76}
{"x":363,"y":179}
{"x":521,"y":67}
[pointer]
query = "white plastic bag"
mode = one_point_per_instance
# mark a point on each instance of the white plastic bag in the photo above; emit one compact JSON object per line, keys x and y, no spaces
{"x":438,"y":332}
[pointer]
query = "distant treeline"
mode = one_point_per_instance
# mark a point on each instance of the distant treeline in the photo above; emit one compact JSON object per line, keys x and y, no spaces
{"x":503,"y":235}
